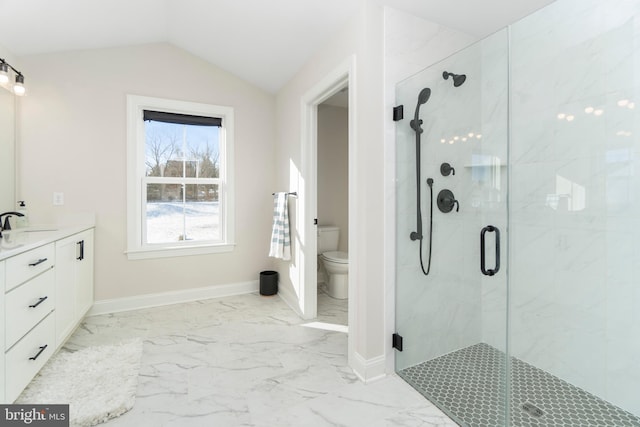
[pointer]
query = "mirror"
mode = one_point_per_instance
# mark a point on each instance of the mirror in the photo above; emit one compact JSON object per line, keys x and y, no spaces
{"x":7,"y":150}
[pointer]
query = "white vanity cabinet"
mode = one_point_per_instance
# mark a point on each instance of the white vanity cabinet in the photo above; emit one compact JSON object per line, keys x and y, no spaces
{"x":27,"y":265}
{"x":27,"y":305}
{"x":46,"y":287}
{"x":28,"y":356}
{"x":29,"y":302}
{"x":74,"y":281}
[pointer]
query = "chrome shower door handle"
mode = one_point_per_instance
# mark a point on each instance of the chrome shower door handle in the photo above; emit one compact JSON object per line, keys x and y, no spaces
{"x":491,"y":271}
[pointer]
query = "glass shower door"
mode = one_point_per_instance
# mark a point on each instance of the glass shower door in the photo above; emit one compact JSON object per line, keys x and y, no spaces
{"x":574,"y":210}
{"x":451,"y":290}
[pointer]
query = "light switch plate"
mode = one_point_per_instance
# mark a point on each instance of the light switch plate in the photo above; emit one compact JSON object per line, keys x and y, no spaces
{"x":58,"y":199}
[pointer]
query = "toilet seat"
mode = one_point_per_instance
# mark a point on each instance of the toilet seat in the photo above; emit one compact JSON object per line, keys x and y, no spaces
{"x":337,"y":257}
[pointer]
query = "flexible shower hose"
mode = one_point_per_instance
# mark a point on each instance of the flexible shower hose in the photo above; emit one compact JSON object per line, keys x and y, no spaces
{"x":426,"y":273}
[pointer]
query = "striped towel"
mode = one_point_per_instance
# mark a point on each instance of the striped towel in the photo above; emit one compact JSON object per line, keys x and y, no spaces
{"x":280,"y":241}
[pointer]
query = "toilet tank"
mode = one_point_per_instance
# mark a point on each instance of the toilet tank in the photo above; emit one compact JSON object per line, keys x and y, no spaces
{"x":328,"y":236}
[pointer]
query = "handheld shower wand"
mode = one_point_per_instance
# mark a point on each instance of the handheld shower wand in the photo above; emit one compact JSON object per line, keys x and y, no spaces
{"x":416,"y":125}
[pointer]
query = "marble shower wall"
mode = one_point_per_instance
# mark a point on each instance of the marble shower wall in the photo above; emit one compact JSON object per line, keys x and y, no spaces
{"x":575,"y":186}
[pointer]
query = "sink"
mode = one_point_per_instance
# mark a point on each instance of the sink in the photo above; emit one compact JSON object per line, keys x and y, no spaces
{"x":4,"y":244}
{"x":17,"y":237}
{"x":11,"y":240}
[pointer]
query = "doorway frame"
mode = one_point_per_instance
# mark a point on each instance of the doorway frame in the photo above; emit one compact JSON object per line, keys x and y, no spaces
{"x":340,"y":77}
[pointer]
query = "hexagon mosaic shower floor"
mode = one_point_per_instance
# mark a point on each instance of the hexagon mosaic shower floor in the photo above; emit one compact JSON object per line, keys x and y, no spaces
{"x":468,"y":385}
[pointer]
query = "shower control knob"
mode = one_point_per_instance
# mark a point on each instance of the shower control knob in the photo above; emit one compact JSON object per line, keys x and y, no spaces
{"x":446,"y":201}
{"x":446,"y":169}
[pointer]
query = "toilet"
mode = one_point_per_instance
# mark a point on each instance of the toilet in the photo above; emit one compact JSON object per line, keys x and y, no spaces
{"x":336,"y":263}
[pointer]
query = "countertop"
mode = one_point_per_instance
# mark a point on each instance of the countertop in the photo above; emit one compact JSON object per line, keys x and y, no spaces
{"x":15,"y":242}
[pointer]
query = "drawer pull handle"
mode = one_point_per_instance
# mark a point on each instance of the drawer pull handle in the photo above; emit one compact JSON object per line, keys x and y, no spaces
{"x":81,"y":245}
{"x":39,"y":353}
{"x":40,"y":261}
{"x":40,"y":301}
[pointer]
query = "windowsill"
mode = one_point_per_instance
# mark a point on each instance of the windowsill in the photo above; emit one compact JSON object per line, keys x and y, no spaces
{"x":177,"y":251}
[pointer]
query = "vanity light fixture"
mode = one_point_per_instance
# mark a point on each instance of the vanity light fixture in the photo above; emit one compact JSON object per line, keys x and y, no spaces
{"x":4,"y":73}
{"x":18,"y":88}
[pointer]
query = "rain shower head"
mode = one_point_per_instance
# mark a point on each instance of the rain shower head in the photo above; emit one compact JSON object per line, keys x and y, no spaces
{"x":458,"y":79}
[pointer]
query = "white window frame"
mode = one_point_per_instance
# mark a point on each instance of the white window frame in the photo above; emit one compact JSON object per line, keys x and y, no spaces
{"x":136,"y":193}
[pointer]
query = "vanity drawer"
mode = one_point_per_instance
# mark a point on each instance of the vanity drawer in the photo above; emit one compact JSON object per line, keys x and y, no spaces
{"x":28,"y":304}
{"x":26,"y":358}
{"x":23,"y":267}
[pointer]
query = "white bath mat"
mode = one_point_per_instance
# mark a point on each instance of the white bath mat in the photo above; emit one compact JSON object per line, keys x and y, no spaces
{"x":98,"y":383}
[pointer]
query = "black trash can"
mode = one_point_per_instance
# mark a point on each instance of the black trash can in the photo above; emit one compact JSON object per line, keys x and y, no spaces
{"x":268,"y":282}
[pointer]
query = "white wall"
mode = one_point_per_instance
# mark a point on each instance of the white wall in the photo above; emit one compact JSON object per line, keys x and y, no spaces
{"x":362,"y":39}
{"x":333,"y":170}
{"x":7,"y":55}
{"x":74,"y":141}
{"x":373,"y":167}
{"x":291,"y":171}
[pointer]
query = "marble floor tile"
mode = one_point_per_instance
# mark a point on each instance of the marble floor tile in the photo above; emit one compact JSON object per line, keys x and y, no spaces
{"x":331,"y":310}
{"x":247,"y":360}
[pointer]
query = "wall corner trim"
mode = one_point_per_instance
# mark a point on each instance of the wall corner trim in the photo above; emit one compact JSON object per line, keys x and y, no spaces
{"x":174,"y":297}
{"x":368,"y":370}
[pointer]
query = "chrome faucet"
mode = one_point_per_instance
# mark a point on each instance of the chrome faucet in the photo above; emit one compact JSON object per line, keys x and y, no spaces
{"x":7,"y":224}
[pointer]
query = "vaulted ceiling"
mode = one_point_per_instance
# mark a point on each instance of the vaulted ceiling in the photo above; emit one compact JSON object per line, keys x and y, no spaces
{"x":262,"y":41}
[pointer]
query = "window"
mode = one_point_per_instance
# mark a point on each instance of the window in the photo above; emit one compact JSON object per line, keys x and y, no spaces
{"x":180,"y":192}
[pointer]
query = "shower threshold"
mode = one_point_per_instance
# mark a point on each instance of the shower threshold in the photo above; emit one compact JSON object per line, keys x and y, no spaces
{"x":469,"y":386}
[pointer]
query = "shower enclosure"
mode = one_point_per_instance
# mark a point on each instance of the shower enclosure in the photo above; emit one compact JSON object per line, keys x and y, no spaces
{"x":530,"y":313}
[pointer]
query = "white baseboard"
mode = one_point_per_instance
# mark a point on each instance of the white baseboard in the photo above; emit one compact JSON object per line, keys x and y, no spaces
{"x":173,"y":297}
{"x":368,"y":370}
{"x":290,"y":299}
